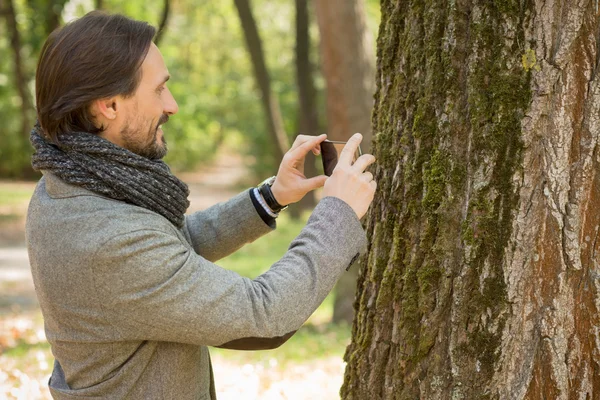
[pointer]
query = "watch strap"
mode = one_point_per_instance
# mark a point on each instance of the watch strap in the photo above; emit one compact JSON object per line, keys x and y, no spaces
{"x":267,"y":194}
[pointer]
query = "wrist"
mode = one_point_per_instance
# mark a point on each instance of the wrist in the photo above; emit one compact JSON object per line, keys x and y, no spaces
{"x":278,"y":193}
{"x":266,"y":192}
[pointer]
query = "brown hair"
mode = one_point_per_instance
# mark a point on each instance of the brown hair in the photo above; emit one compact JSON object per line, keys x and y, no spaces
{"x":94,"y":57}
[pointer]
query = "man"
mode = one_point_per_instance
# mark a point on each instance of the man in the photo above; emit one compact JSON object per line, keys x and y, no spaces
{"x":126,"y":282}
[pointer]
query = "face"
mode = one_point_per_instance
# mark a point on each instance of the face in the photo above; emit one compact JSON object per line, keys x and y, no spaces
{"x":144,"y":113}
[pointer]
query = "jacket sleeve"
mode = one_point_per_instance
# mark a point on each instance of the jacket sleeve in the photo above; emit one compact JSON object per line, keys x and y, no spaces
{"x":220,"y":230}
{"x":155,"y":287}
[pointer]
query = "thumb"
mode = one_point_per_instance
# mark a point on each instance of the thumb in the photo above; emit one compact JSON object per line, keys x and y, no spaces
{"x":314,"y":183}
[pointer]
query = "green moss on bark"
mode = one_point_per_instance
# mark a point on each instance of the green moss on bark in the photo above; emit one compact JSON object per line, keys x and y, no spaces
{"x":451,"y":94}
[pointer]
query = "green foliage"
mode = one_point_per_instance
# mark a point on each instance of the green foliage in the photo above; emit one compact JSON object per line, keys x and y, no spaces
{"x":212,"y":78}
{"x":14,"y":148}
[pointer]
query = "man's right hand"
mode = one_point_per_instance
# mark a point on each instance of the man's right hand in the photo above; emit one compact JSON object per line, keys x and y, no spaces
{"x":350,"y":182}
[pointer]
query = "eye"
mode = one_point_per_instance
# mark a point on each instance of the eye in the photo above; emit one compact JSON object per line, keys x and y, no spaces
{"x":160,"y":89}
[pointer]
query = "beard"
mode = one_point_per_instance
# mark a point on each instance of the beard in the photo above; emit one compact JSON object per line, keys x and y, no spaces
{"x":146,"y":145}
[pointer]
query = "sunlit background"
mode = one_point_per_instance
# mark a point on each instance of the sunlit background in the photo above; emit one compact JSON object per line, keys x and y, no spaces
{"x":219,"y":143}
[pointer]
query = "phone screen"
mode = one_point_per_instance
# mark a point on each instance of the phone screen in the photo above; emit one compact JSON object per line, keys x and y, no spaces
{"x":330,"y":154}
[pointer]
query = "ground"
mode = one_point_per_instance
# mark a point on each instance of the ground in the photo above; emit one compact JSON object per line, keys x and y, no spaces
{"x":309,"y":366}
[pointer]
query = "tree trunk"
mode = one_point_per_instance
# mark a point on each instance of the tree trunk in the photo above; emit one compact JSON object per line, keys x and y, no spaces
{"x":347,"y":63}
{"x":53,"y":15}
{"x":308,"y":113}
{"x":20,"y":77}
{"x":481,"y":279}
{"x":345,"y":295}
{"x":164,"y":18}
{"x":274,"y":120}
{"x":99,"y":4}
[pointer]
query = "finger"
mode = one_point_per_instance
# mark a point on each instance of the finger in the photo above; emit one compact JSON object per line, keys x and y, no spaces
{"x":349,"y":149}
{"x":300,"y":151}
{"x":314,"y":183}
{"x":363,"y":162}
{"x":298,"y":141}
{"x":301,"y":139}
{"x":367,"y":176}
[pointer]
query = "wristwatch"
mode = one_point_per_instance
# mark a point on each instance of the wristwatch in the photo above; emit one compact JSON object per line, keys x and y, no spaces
{"x":267,"y":194}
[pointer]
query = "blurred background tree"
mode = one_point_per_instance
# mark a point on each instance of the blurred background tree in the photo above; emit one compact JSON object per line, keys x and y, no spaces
{"x":348,"y":65}
{"x":204,"y":47}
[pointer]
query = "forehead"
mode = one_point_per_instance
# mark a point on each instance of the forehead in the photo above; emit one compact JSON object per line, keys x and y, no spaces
{"x":154,"y":69}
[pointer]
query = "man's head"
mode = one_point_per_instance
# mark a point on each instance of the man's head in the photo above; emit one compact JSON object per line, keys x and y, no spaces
{"x":103,"y":75}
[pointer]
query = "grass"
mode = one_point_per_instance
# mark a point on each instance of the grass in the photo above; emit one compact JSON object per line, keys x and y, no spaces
{"x":14,"y":194}
{"x":311,"y":342}
{"x":9,"y":218}
{"x":14,"y":198}
{"x":23,"y":349}
{"x":317,"y":338}
{"x":255,"y":258}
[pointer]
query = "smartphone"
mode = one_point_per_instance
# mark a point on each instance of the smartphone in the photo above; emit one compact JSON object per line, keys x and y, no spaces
{"x":330,"y":154}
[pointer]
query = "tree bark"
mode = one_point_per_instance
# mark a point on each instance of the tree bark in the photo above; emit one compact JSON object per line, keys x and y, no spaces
{"x":348,"y":67}
{"x":164,"y":18}
{"x":274,"y":121}
{"x":308,"y":113}
{"x":20,"y":77}
{"x":481,"y":279}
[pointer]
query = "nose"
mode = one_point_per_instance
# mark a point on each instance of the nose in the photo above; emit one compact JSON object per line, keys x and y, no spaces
{"x":171,"y":106}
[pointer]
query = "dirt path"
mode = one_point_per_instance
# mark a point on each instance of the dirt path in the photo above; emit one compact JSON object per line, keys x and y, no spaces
{"x":215,"y":183}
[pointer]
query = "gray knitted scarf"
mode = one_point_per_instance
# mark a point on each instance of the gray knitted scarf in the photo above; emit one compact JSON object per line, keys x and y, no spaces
{"x":89,"y":161}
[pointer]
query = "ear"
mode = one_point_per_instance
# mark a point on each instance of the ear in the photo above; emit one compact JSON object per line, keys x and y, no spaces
{"x":105,"y":109}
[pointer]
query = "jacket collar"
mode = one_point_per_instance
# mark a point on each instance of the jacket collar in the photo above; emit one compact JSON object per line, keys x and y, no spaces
{"x":56,"y":188}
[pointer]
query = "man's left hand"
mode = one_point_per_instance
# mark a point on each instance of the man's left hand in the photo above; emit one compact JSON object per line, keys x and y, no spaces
{"x":290,"y":184}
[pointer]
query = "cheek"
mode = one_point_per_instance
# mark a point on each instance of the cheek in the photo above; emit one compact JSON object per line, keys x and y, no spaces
{"x":156,"y":111}
{"x":151,"y":105}
{"x":156,"y":104}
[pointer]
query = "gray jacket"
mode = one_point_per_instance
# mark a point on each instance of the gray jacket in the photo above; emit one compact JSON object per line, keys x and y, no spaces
{"x":130,"y":302}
